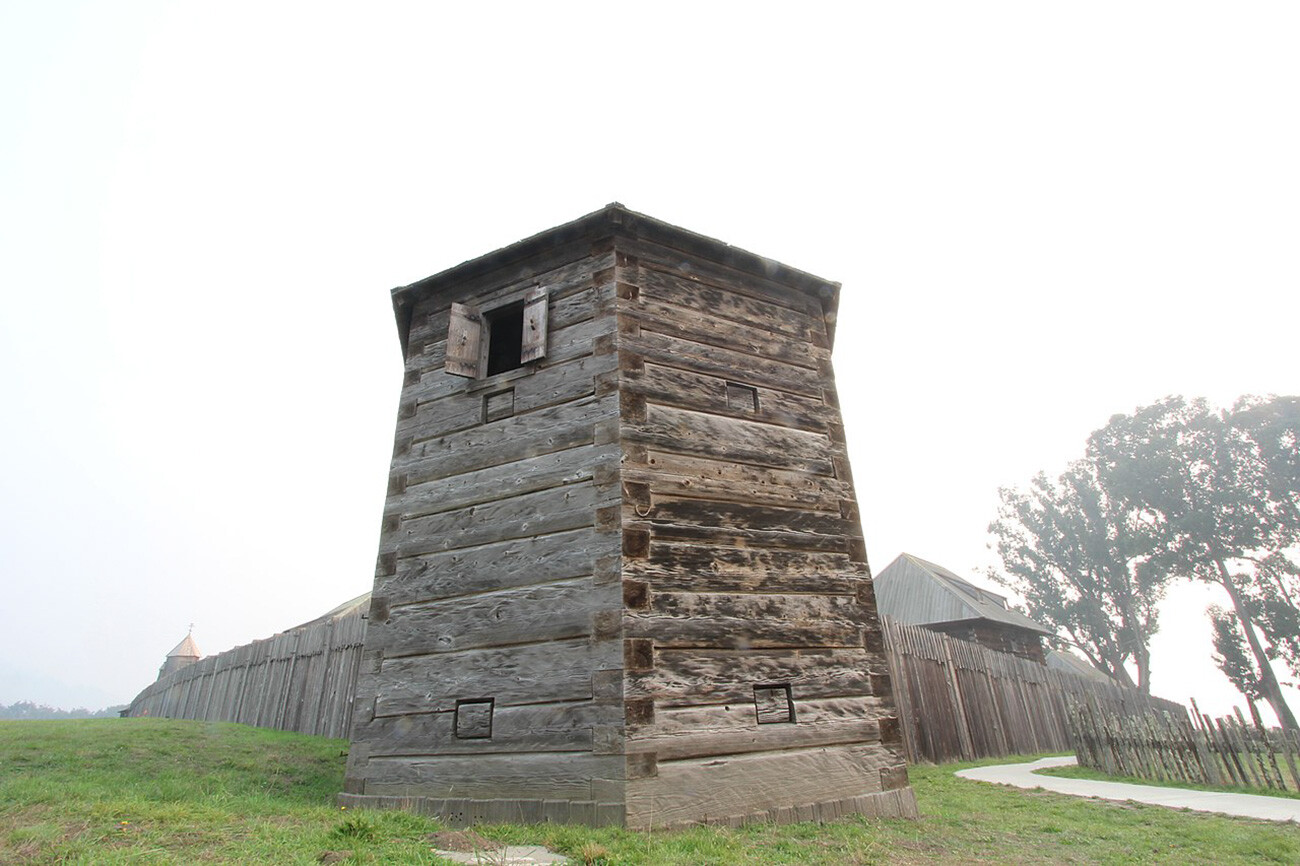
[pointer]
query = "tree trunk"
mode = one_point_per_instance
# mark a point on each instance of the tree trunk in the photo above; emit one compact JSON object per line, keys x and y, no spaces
{"x":1267,"y":680}
{"x":1132,"y":639}
{"x":1142,"y":656}
{"x":1117,"y":672}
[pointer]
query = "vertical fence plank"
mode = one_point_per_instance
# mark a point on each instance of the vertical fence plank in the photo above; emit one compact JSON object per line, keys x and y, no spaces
{"x":960,"y":700}
{"x":1158,"y":740}
{"x":955,"y":700}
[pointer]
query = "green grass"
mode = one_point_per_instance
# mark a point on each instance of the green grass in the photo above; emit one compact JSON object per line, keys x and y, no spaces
{"x":1089,"y":773}
{"x":156,"y":791}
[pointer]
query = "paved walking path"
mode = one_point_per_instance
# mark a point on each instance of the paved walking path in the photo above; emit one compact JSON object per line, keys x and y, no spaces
{"x":511,"y":855}
{"x":1243,"y":805}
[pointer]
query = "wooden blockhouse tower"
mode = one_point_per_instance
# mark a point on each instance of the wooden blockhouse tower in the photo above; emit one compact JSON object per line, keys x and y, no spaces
{"x":621,"y":576}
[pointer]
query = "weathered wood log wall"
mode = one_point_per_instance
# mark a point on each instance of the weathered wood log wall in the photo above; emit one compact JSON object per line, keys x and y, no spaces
{"x":960,"y":701}
{"x":300,"y":680}
{"x":744,"y":566}
{"x":491,"y":676}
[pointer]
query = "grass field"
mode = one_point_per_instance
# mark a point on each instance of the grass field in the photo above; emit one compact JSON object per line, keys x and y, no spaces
{"x":156,"y":791}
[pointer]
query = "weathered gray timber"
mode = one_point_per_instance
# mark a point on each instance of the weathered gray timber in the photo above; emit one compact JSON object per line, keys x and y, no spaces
{"x":299,"y":680}
{"x":961,"y":700}
{"x":955,"y":699}
{"x":621,"y":575}
{"x":916,"y":592}
{"x":1158,"y":741}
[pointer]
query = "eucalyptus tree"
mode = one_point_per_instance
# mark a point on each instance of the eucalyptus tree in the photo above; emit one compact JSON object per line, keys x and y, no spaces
{"x":1233,"y":656}
{"x":1223,"y":509}
{"x":1271,"y":595}
{"x":1083,"y":565}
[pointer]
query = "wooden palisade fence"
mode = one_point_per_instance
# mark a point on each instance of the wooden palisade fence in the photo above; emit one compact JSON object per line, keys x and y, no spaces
{"x":299,"y":680}
{"x":1155,"y":743}
{"x":956,"y":700}
{"x":961,"y":701}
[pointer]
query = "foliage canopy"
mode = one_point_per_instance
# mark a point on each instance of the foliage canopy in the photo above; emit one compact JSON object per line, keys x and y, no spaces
{"x":1174,"y":491}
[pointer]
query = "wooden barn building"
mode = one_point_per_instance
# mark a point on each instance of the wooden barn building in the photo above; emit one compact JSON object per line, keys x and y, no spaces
{"x":915,"y":592}
{"x":621,"y":577}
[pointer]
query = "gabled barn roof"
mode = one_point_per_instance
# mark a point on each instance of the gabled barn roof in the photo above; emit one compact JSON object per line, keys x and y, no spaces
{"x":914,"y":591}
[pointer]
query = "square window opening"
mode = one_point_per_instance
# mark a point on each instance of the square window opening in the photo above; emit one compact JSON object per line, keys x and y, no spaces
{"x":505,"y":333}
{"x":487,"y":343}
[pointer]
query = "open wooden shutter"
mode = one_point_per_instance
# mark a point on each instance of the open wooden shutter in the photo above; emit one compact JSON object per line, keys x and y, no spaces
{"x":464,"y":338}
{"x":534,"y":341}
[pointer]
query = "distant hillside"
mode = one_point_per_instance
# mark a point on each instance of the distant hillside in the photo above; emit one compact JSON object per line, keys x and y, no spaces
{"x":23,"y":680}
{"x":28,"y":710}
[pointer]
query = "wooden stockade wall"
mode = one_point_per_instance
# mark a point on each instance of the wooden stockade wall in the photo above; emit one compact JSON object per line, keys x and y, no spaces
{"x":960,"y":701}
{"x":300,"y":680}
{"x":956,"y":701}
{"x":1154,"y":743}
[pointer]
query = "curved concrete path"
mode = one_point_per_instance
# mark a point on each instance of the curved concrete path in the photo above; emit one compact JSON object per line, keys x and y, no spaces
{"x":1242,"y":805}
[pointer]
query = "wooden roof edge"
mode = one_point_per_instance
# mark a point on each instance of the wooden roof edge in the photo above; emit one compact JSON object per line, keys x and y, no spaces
{"x":955,"y":586}
{"x":348,"y":607}
{"x":1036,"y":628}
{"x":616,"y":220}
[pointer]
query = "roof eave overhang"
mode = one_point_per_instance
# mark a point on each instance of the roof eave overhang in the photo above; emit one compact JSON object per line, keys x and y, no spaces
{"x":1034,"y":629}
{"x":615,"y":221}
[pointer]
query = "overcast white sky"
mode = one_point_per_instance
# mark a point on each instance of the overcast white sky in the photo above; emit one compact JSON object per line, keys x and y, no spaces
{"x":1042,"y":215}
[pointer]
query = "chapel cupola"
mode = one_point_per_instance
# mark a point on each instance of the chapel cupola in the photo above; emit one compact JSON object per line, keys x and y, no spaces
{"x":183,"y":655}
